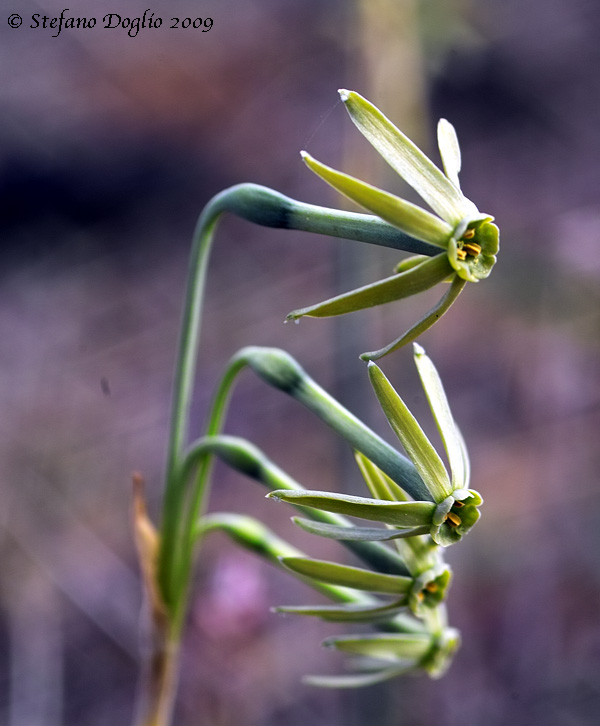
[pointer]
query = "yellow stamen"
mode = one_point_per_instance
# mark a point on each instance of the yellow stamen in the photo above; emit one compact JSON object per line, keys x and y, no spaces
{"x":458,"y":505}
{"x":461,"y":254}
{"x":453,"y":519}
{"x":432,"y":587}
{"x":472,"y":248}
{"x":469,"y":234}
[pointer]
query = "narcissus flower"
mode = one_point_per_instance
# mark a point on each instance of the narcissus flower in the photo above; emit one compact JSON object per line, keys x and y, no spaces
{"x":452,"y":508}
{"x":467,"y":239}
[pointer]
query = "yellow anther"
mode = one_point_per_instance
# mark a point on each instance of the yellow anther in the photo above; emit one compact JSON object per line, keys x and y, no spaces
{"x":472,"y":248}
{"x":461,"y":254}
{"x":469,"y":234}
{"x":458,"y":505}
{"x":432,"y":586}
{"x":453,"y":519}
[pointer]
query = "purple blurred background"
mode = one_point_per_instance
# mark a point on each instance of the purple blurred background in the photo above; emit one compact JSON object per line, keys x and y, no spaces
{"x":110,"y":147}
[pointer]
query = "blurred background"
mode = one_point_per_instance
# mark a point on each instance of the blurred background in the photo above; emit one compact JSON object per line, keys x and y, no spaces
{"x":111,"y":145}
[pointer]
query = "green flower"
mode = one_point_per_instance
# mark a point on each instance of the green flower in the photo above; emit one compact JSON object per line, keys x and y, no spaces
{"x":453,"y":507}
{"x":387,"y":655}
{"x":408,"y":644}
{"x":467,"y":237}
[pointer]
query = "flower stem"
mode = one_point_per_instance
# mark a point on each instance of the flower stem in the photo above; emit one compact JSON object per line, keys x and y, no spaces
{"x":271,"y":209}
{"x":268,"y":208}
{"x":160,"y":680}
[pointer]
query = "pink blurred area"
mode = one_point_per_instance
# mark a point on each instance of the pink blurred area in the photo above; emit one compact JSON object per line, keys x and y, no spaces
{"x":111,"y":145}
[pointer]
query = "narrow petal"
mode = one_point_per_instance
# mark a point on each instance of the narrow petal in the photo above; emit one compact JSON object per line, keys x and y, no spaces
{"x":434,"y":390}
{"x":408,"y":160}
{"x":408,"y":217}
{"x":425,"y":458}
{"x":346,"y":613}
{"x":413,"y":281}
{"x":409,"y":262}
{"x":424,"y":323}
{"x":346,"y":576}
{"x":449,"y":150}
{"x":466,"y":460}
{"x":378,"y":482}
{"x":385,"y":646}
{"x":400,"y":514}
{"x":357,"y":534}
{"x":359,"y":680}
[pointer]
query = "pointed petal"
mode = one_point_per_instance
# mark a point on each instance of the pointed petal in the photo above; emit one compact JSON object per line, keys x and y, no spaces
{"x":346,"y":613}
{"x":408,"y":160}
{"x":384,"y":645}
{"x":408,"y":217}
{"x":424,"y":323}
{"x":465,"y":456}
{"x":438,"y":403}
{"x":355,"y":577}
{"x":400,"y":514}
{"x":358,"y":680}
{"x":379,"y":483}
{"x":409,"y":262}
{"x":417,"y":445}
{"x":357,"y":534}
{"x":449,"y":150}
{"x":419,"y":278}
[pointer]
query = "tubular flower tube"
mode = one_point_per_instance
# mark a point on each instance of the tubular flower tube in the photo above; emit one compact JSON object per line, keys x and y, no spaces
{"x":454,"y":507}
{"x":466,"y":239}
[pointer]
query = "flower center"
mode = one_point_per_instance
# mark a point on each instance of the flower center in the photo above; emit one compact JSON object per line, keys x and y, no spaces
{"x":466,"y":247}
{"x":453,"y":519}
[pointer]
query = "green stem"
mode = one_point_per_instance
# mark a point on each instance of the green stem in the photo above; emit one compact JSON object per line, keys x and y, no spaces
{"x":255,"y":537}
{"x":270,"y":209}
{"x":249,"y":460}
{"x":278,"y":369}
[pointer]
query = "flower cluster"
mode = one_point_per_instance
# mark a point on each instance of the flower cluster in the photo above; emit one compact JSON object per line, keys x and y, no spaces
{"x":415,"y":506}
{"x":421,"y":506}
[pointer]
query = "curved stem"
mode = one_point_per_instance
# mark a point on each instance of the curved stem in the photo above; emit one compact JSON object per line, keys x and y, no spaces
{"x":249,"y":460}
{"x":268,"y":208}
